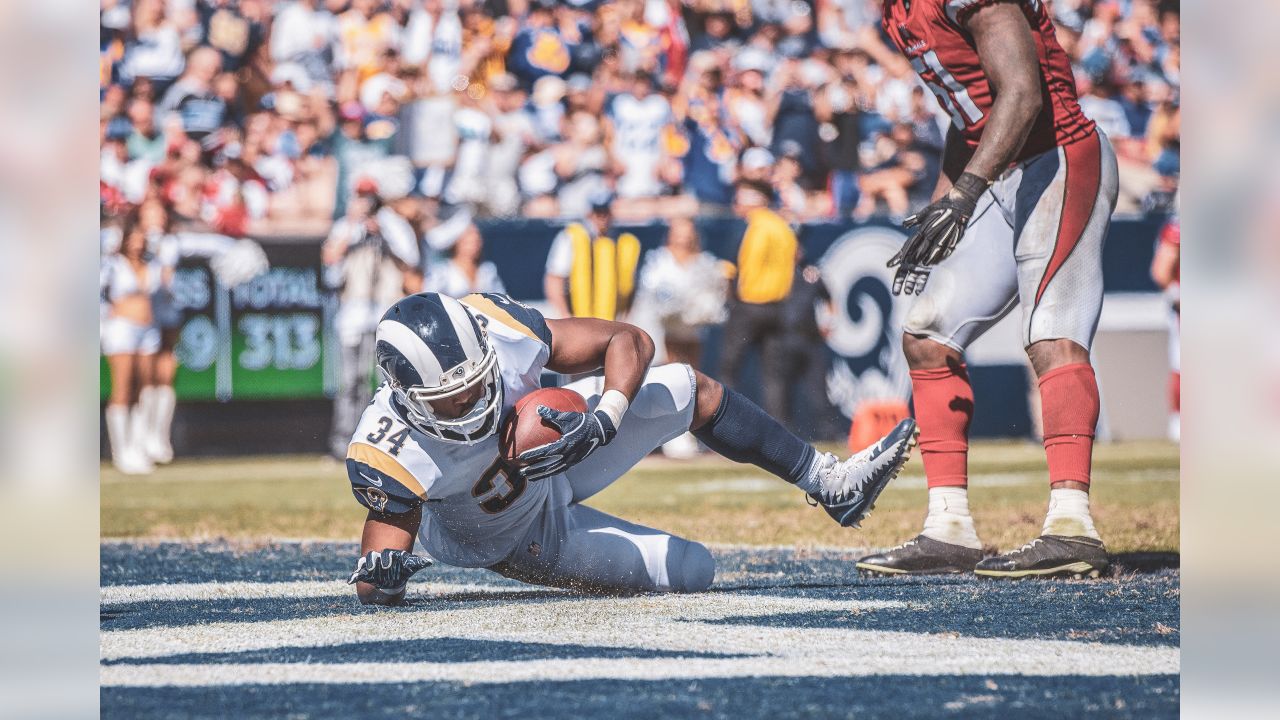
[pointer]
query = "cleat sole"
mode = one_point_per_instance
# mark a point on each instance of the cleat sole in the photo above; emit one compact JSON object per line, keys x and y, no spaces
{"x":1078,"y":570}
{"x":886,"y":571}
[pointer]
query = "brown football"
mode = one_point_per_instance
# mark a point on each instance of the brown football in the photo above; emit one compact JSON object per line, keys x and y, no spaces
{"x":523,"y":429}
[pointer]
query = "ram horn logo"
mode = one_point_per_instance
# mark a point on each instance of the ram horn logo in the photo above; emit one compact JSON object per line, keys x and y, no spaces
{"x":375,"y":498}
{"x":866,"y":330}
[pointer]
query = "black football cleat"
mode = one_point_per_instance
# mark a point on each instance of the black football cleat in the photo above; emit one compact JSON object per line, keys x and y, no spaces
{"x":921,"y":556}
{"x":1049,"y":556}
{"x":850,"y":488}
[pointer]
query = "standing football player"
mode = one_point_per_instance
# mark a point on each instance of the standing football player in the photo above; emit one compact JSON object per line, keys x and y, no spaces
{"x":425,"y":459}
{"x":1019,"y":216}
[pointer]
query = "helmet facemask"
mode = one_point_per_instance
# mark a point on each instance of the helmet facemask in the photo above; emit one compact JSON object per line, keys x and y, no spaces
{"x":478,"y":422}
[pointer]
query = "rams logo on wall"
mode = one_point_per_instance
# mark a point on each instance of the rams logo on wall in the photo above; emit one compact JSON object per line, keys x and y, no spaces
{"x":866,"y":331}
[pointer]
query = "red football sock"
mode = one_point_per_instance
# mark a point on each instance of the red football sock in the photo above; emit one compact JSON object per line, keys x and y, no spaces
{"x":944,"y":408}
{"x":1069,"y":403}
{"x":1175,"y":391}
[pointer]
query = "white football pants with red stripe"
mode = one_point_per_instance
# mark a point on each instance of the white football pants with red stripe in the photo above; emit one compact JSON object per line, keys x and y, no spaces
{"x":1036,"y":239}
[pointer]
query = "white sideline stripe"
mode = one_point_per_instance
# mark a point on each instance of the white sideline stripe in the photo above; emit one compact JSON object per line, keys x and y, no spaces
{"x":243,"y":590}
{"x":919,"y":655}
{"x":650,"y":621}
{"x":670,"y":623}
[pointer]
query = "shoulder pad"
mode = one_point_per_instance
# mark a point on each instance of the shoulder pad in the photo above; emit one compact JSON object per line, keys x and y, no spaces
{"x":380,"y":482}
{"x":511,"y":313}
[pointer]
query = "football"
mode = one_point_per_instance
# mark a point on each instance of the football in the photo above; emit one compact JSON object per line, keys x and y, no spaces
{"x":524,"y":429}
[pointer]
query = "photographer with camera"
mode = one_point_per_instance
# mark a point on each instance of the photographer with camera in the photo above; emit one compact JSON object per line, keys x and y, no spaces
{"x":371,"y":260}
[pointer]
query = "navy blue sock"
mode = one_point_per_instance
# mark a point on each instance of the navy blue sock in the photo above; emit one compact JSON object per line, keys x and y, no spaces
{"x":744,"y":433}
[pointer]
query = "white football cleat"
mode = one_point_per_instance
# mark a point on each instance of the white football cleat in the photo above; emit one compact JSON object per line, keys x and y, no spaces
{"x":849,"y":489}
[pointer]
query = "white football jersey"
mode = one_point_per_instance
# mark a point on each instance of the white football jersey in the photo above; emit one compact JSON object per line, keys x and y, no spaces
{"x":473,"y":512}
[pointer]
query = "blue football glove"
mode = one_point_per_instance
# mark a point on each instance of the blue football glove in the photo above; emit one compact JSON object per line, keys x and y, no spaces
{"x":580,"y":435}
{"x":388,"y":570}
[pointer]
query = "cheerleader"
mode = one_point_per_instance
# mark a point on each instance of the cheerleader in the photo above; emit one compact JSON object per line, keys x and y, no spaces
{"x":130,"y":340}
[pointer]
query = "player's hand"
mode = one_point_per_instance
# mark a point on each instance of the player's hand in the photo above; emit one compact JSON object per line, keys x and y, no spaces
{"x":941,"y":225}
{"x":580,"y":435}
{"x":388,"y":570}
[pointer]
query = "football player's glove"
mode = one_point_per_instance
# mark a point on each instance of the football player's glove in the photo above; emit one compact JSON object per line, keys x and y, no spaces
{"x":387,"y":570}
{"x":941,"y":225}
{"x":580,"y":435}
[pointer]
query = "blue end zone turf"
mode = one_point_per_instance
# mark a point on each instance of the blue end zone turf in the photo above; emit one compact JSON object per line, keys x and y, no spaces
{"x":999,"y":642}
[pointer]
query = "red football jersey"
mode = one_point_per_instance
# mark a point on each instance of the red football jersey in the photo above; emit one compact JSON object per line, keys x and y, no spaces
{"x":930,"y":34}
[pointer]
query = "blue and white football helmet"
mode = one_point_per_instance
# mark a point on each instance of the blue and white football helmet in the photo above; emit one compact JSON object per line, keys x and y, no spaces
{"x":431,"y":347}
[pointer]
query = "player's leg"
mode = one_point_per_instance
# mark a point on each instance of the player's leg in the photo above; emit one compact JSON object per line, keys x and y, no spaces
{"x":1059,"y":254}
{"x":582,"y":548}
{"x":662,"y":410}
{"x":966,"y":294}
{"x":730,"y":424}
{"x":676,"y":398}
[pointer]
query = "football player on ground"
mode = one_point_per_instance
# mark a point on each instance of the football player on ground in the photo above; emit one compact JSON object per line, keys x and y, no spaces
{"x":1019,"y":216}
{"x":425,"y":459}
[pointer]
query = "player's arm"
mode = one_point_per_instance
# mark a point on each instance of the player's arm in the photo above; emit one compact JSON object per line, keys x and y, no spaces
{"x":583,"y":345}
{"x":385,"y":547}
{"x":956,"y":154}
{"x":1007,"y":51}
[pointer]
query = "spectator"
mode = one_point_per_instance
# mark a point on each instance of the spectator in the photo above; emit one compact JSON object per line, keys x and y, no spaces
{"x":565,"y":252}
{"x":354,"y":148}
{"x":1099,"y":102}
{"x":581,"y":165}
{"x":370,"y":259}
{"x":194,"y":98}
{"x":682,"y":289}
{"x":791,"y":113}
{"x":836,"y":108}
{"x":434,"y":37}
{"x":634,"y":131}
{"x":806,"y":359}
{"x":465,"y":270}
{"x":153,"y":50}
{"x":145,"y":142}
{"x":713,"y":144}
{"x":303,"y":35}
{"x":514,"y":137}
{"x":756,"y":165}
{"x":746,"y":101}
{"x":540,"y":49}
{"x":898,"y":166}
{"x":762,"y":73}
{"x":471,"y":161}
{"x":364,"y":32}
{"x":235,"y":29}
{"x":766,"y":266}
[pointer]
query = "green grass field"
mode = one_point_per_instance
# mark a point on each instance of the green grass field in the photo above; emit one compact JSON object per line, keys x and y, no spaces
{"x":712,"y":500}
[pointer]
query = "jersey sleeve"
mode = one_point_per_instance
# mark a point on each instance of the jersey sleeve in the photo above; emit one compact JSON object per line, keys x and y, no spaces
{"x":960,"y":10}
{"x":511,"y":313}
{"x":380,"y":483}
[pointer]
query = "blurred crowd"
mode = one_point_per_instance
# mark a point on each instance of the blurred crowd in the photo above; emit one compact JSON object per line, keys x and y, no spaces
{"x":255,"y":117}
